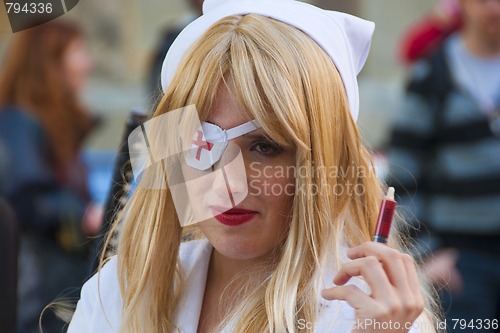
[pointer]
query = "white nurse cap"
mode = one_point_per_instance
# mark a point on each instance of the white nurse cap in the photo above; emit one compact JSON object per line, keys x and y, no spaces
{"x":345,"y":38}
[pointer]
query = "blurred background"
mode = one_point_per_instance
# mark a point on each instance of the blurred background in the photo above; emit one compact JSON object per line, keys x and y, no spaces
{"x":122,"y":35}
{"x":106,"y":71}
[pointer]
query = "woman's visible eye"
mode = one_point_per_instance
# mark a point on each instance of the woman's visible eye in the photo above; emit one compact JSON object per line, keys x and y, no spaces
{"x":266,"y":148}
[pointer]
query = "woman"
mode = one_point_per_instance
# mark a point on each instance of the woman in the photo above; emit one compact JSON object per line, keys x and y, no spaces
{"x":267,"y":92}
{"x":42,"y":128}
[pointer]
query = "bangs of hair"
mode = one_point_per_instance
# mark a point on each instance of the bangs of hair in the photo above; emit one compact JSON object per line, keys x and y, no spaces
{"x":267,"y":77}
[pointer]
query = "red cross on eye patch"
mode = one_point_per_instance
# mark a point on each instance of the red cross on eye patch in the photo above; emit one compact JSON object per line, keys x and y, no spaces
{"x":201,"y":144}
{"x":210,"y":141}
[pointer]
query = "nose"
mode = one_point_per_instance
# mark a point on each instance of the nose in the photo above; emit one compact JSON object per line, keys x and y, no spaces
{"x":231,"y":179}
{"x":221,"y":187}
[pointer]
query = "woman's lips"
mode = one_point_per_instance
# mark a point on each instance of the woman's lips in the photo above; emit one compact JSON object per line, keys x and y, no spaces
{"x":233,"y":216}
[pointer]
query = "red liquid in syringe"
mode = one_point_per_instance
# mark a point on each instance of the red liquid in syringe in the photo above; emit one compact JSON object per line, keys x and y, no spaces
{"x":385,"y":216}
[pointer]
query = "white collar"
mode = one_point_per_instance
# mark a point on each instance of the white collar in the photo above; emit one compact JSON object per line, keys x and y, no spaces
{"x":195,"y":264}
{"x":195,"y":258}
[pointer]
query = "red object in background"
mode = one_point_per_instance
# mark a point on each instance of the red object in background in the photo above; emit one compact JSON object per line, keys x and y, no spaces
{"x":385,"y":216}
{"x":426,"y":35}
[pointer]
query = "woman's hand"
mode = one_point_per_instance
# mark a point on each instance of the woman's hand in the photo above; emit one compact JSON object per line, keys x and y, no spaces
{"x":395,"y":301}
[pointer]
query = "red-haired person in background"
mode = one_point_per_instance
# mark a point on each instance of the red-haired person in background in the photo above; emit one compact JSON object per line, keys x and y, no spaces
{"x":424,"y":36}
{"x":42,"y":128}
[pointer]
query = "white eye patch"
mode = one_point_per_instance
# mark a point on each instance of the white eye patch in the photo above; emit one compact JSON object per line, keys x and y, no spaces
{"x":210,"y":141}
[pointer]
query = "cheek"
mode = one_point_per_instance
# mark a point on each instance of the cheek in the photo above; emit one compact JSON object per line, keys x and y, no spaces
{"x":274,"y":188}
{"x":279,"y":203}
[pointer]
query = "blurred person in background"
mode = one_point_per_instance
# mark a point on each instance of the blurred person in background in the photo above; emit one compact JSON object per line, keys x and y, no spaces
{"x":445,"y":159}
{"x":426,"y":35}
{"x":42,"y":128}
{"x":167,"y":38}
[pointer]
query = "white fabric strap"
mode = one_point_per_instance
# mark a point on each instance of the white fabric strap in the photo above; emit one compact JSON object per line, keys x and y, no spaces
{"x":210,"y":142}
{"x":242,"y":129}
{"x":345,"y":38}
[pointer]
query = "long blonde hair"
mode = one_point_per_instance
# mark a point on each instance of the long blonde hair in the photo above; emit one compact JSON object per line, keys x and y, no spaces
{"x":290,"y":85}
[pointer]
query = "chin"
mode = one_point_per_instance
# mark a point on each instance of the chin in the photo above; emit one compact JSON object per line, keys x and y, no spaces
{"x":239,"y":247}
{"x":238,"y":254}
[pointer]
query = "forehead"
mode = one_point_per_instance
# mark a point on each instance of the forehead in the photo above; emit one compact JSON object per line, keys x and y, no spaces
{"x":226,"y":111}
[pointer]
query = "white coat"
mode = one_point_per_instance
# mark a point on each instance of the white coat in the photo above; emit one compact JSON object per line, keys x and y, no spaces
{"x":93,"y":316}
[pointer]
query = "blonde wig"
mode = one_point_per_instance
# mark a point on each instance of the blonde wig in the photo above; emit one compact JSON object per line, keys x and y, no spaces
{"x":287,"y":82}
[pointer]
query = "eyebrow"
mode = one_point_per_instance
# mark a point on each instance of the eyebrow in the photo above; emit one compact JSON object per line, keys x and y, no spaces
{"x":256,"y":136}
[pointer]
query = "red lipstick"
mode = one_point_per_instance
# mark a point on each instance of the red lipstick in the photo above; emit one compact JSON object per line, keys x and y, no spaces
{"x":233,"y":216}
{"x":385,"y":216}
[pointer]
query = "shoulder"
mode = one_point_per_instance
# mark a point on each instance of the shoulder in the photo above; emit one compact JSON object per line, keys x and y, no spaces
{"x":25,"y":152}
{"x":107,"y":276}
{"x":431,"y":74}
{"x":100,"y":304}
{"x":20,"y":129}
{"x":15,"y":114}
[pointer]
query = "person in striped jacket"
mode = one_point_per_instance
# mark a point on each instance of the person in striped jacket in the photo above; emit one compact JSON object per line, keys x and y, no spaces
{"x":444,"y":158}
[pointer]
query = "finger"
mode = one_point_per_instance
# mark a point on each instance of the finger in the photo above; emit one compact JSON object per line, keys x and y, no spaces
{"x":391,"y":259}
{"x":411,"y":272}
{"x":371,"y":270}
{"x":418,"y":301}
{"x":352,"y":295}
